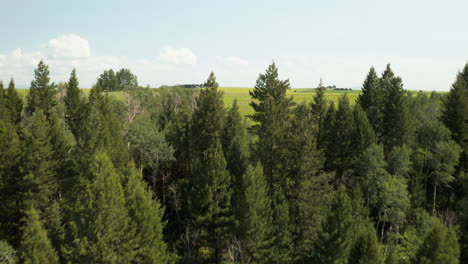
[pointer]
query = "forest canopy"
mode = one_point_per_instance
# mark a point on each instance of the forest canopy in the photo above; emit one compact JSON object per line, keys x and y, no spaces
{"x":173,"y":175}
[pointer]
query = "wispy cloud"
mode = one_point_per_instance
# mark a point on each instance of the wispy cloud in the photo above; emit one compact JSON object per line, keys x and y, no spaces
{"x":181,"y":56}
{"x":232,"y":60}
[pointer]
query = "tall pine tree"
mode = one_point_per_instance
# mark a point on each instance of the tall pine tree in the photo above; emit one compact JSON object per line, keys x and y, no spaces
{"x":13,"y":103}
{"x":42,"y":92}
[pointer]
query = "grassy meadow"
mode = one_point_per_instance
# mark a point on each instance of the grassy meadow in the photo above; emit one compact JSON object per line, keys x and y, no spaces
{"x":299,"y":95}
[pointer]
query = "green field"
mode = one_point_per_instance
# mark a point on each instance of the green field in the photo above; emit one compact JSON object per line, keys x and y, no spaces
{"x":299,"y":95}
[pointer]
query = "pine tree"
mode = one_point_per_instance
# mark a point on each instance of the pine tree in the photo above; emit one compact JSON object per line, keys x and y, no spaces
{"x":364,"y":135}
{"x":39,"y":180}
{"x":36,"y":247}
{"x":100,"y":130}
{"x":455,"y":111}
{"x":439,"y":246}
{"x":99,"y":230}
{"x":208,"y":118}
{"x":394,"y":111}
{"x":302,"y":162}
{"x":211,"y":200}
{"x":334,"y":241}
{"x":256,"y":218}
{"x":10,"y":199}
{"x":272,"y":111}
{"x":7,"y":253}
{"x":13,"y":103}
{"x":339,"y":150}
{"x":365,"y":248}
{"x":319,"y":109}
{"x":236,"y":152}
{"x":146,"y":221}
{"x":4,"y":113}
{"x":73,"y":103}
{"x":371,"y":100}
{"x":41,"y":94}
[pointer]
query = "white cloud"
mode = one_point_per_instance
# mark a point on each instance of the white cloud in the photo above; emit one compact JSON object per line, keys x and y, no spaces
{"x":232,"y":60}
{"x":182,"y":56}
{"x":68,"y":46}
{"x":66,"y":52}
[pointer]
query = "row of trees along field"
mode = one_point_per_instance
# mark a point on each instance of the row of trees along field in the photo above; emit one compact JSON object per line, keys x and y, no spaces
{"x":172,"y":175}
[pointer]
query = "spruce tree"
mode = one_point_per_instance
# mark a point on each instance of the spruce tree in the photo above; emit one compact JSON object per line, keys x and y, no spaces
{"x":256,"y":220}
{"x":13,"y":103}
{"x":365,"y":248}
{"x":36,"y":247}
{"x":211,"y":200}
{"x":236,"y":152}
{"x":394,"y":127}
{"x":146,"y":221}
{"x":100,"y":130}
{"x":371,"y":100}
{"x":42,"y":92}
{"x":272,"y":111}
{"x":10,"y":183}
{"x":39,"y":179}
{"x":364,"y":135}
{"x":319,"y":109}
{"x":302,"y":162}
{"x":335,"y":240}
{"x":440,"y":245}
{"x":73,"y":103}
{"x":4,"y":113}
{"x":99,"y":230}
{"x":339,"y":151}
{"x":208,"y":118}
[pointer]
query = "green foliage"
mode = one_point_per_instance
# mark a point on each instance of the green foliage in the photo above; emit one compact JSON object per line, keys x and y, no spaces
{"x":7,"y":253}
{"x":10,"y":153}
{"x":100,"y":226}
{"x":148,"y":143}
{"x":14,"y":103}
{"x":319,"y":110}
{"x":440,"y":245}
{"x":339,"y":151}
{"x":211,"y":200}
{"x":74,"y":103}
{"x":272,"y":111}
{"x":335,"y":240}
{"x":364,"y":135}
{"x":208,"y":117}
{"x":4,"y":113}
{"x":236,"y":152}
{"x":146,"y":222}
{"x":394,"y":127}
{"x":371,"y":100}
{"x":36,"y":247}
{"x":39,"y":179}
{"x":100,"y":130}
{"x":125,"y":80}
{"x":370,"y":170}
{"x":456,"y":108}
{"x":365,"y":248}
{"x":41,"y":94}
{"x":256,"y":219}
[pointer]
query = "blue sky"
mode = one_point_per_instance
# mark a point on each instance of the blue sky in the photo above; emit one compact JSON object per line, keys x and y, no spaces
{"x":169,"y":42}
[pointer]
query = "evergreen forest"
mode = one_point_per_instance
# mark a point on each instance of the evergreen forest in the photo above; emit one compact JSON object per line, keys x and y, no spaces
{"x":173,"y":175}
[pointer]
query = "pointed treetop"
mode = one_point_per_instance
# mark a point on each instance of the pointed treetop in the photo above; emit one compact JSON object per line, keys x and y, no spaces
{"x":211,"y":82}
